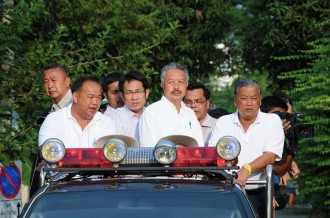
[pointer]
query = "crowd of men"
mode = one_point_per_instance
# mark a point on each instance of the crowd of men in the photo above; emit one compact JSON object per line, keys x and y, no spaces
{"x":183,"y":109}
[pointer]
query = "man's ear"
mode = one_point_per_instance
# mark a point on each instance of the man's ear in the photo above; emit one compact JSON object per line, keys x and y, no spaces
{"x":208,"y":102}
{"x":147,"y":93}
{"x":122,"y":96}
{"x":235,"y":102}
{"x":75,"y":96}
{"x":67,"y":81}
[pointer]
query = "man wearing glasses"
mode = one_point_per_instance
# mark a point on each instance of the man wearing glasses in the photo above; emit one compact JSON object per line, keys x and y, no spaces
{"x":111,"y":92}
{"x":134,"y":90}
{"x":198,"y":99}
{"x":170,"y":116}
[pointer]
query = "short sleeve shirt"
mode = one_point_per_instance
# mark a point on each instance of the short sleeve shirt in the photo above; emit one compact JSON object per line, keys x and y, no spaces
{"x":62,"y":125}
{"x":264,"y":135}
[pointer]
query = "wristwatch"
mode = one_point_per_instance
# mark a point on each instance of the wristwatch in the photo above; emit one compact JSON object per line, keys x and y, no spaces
{"x":248,"y":168}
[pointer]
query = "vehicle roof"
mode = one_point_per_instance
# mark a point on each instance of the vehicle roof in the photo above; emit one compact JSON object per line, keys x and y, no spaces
{"x":189,"y":195}
{"x":83,"y":184}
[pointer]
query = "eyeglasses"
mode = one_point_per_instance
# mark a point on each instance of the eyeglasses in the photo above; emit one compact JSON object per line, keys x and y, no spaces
{"x":197,"y":102}
{"x":137,"y":92}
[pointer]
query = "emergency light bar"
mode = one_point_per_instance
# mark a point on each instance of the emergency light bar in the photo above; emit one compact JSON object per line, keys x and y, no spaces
{"x":115,"y":153}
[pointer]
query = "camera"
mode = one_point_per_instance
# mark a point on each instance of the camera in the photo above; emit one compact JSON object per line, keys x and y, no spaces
{"x":297,"y":131}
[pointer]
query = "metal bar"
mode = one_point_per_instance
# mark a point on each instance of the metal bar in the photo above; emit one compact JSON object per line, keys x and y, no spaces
{"x":269,"y":182}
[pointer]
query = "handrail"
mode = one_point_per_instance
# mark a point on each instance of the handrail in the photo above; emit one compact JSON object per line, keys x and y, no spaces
{"x":269,"y":182}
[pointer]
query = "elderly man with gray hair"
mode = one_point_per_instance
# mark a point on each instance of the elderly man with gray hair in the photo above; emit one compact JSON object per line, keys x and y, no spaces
{"x":170,"y":116}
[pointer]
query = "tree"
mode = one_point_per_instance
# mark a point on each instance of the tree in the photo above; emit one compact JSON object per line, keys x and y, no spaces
{"x":37,"y":33}
{"x":278,"y":28}
{"x":311,"y":97}
{"x":96,"y":37}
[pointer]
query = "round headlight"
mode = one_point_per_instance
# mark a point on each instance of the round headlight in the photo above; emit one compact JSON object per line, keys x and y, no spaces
{"x":165,"y":152}
{"x":228,"y":148}
{"x":115,"y":150}
{"x":52,"y":150}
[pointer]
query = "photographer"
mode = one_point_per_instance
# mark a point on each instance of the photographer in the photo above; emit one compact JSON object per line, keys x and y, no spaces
{"x":286,"y":169}
{"x":271,"y":104}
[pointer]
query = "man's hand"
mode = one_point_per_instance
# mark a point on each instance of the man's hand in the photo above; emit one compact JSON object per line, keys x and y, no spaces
{"x":243,"y":175}
{"x":286,"y":125}
{"x":294,"y":170}
{"x":40,"y":165}
{"x":291,"y":174}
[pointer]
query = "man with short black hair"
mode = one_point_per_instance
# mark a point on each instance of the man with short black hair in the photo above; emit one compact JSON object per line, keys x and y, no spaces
{"x":198,"y":99}
{"x":57,"y":86}
{"x":134,"y":90}
{"x":80,"y":124}
{"x":110,"y":86}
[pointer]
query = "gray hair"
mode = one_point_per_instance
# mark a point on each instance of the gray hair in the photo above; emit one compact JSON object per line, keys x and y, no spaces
{"x":172,"y":66}
{"x":245,"y":83}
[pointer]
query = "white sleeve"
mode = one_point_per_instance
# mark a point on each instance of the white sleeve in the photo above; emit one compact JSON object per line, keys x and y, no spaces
{"x":49,"y":129}
{"x":275,"y":138}
{"x":148,"y":130}
{"x":215,"y":135}
{"x":110,"y":126}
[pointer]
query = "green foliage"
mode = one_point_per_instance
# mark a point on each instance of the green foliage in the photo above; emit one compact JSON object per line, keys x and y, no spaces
{"x":224,"y":97}
{"x":120,"y":37}
{"x":96,"y":37}
{"x":311,"y":97}
{"x":276,"y":29}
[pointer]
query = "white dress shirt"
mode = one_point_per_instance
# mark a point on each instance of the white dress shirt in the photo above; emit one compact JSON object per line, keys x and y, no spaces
{"x":265,"y":134}
{"x":108,"y":111}
{"x":126,"y":122}
{"x":62,"y":125}
{"x":162,"y":119}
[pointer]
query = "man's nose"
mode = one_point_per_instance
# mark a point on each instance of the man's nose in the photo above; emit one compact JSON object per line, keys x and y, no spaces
{"x":249,"y":101}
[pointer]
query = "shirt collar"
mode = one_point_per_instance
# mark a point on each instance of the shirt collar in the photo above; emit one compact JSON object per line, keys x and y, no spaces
{"x":171,"y":105}
{"x":236,"y":120}
{"x":96,"y":117}
{"x":65,"y":101}
{"x":131,"y":113}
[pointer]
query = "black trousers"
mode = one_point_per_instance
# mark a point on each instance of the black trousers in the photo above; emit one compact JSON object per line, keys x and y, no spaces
{"x":259,"y":200}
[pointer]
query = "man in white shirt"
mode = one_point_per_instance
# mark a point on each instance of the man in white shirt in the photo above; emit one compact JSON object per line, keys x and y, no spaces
{"x":261,"y":137}
{"x":134,"y":89}
{"x":198,"y":99}
{"x":170,"y":116}
{"x":110,"y":86}
{"x":57,"y":86}
{"x":80,"y":124}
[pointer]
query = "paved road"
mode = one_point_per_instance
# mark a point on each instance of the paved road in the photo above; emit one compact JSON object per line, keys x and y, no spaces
{"x":296,"y":211}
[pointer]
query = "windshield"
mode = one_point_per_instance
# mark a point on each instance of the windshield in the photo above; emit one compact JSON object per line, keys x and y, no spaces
{"x":135,"y":204}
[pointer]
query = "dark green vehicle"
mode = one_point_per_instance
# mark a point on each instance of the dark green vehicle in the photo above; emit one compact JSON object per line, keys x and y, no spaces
{"x":121,"y":181}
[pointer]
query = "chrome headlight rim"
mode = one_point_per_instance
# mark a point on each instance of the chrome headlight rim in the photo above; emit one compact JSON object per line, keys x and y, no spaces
{"x":50,"y":144}
{"x":116,"y":141}
{"x":171,"y":149}
{"x":225,"y":140}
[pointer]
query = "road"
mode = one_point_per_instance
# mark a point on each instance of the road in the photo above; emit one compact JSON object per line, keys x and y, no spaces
{"x":297,"y":211}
